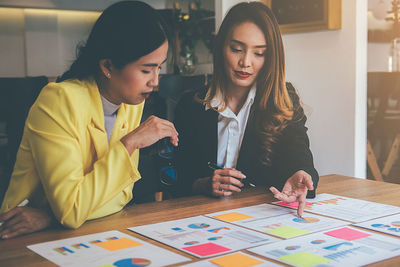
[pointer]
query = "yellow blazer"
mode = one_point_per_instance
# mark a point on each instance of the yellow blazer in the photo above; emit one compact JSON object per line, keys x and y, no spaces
{"x":65,"y":160}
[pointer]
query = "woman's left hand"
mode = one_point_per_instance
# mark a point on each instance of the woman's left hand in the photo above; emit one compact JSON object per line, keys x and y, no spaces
{"x":295,"y":189}
{"x":23,"y":220}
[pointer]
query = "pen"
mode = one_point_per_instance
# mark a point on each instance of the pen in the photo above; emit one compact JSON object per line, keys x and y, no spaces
{"x":214,"y":167}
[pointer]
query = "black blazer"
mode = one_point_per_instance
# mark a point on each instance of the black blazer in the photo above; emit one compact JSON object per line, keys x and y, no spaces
{"x":198,"y":139}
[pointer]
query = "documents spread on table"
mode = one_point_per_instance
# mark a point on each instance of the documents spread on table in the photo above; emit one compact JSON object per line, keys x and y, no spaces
{"x":111,"y":248}
{"x":344,"y":246}
{"x":202,"y":236}
{"x":345,"y":208}
{"x":310,"y":241}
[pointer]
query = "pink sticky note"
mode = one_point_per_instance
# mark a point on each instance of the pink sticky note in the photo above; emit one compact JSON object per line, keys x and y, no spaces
{"x":292,"y":205}
{"x":347,"y":234}
{"x":206,"y":249}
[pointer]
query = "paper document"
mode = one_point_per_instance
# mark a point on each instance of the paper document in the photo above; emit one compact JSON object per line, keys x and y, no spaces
{"x":345,"y":208}
{"x":202,"y":236}
{"x":345,"y":246}
{"x":111,"y":248}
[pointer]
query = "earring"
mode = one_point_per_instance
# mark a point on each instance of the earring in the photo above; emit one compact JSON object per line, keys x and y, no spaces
{"x":108,"y":75}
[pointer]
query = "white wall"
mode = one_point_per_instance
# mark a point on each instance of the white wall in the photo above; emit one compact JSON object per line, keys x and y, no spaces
{"x":329,"y":70}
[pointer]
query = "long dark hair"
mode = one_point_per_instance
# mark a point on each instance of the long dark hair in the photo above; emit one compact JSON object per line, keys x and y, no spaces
{"x":123,"y":33}
{"x":273,"y":103}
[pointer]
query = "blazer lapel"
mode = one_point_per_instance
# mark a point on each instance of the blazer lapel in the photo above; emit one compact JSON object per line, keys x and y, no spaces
{"x":96,"y":126}
{"x":99,"y":138}
{"x":121,"y":125}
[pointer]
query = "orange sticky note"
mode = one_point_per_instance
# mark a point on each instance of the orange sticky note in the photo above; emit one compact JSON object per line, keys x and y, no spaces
{"x":233,"y":217}
{"x":236,"y":260}
{"x":117,"y":244}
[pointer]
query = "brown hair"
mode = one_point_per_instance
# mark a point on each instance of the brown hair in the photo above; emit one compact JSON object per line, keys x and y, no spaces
{"x":273,"y":106}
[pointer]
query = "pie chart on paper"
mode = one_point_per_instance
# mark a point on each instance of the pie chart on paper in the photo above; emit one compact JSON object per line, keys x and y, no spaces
{"x":132,"y":262}
{"x":306,"y":220}
{"x":198,"y":225}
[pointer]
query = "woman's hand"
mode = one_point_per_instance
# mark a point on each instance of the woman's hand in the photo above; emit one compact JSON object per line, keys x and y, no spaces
{"x":23,"y":220}
{"x":226,"y":181}
{"x":295,"y":189}
{"x":149,"y":132}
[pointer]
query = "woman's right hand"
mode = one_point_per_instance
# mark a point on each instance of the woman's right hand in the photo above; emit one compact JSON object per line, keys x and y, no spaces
{"x":149,"y":132}
{"x":24,"y":220}
{"x":226,"y":181}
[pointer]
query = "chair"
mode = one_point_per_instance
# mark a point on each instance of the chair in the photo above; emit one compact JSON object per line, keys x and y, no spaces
{"x":173,"y":86}
{"x":17,"y":96}
{"x":162,"y":104}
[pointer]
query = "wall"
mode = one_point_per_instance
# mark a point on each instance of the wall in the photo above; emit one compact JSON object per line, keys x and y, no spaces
{"x":329,"y":70}
{"x":36,"y":41}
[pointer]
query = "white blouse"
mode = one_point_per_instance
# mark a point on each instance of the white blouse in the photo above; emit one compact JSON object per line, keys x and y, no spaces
{"x":110,"y":115}
{"x":231,"y":130}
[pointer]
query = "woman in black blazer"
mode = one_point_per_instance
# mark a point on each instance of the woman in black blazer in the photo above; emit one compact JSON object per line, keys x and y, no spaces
{"x":249,"y":123}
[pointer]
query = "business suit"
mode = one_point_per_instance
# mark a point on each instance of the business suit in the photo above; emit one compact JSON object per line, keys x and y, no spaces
{"x":65,"y":161}
{"x":197,"y":128}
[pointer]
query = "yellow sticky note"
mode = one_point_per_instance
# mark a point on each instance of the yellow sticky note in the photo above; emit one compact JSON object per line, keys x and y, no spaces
{"x":117,"y":244}
{"x":236,"y":260}
{"x":233,"y":217}
{"x":304,"y":259}
{"x":287,"y":232}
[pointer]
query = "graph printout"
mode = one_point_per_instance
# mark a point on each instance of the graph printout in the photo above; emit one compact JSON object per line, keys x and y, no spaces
{"x":237,"y":259}
{"x":345,"y":208}
{"x":389,"y":225}
{"x":345,"y":246}
{"x":284,"y":226}
{"x":111,"y":248}
{"x":241,"y":216}
{"x":202,"y":236}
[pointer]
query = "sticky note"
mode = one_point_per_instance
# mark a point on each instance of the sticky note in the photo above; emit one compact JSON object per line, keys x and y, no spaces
{"x":206,"y":249}
{"x":347,"y":234}
{"x":233,"y":217}
{"x":117,"y":244}
{"x":236,"y":260}
{"x":287,"y":232}
{"x":304,"y":259}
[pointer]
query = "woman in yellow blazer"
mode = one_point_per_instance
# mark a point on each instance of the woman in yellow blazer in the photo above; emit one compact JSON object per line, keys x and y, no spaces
{"x":66,"y":166}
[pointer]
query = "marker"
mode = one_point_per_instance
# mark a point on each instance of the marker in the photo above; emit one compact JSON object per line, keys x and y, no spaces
{"x":214,"y":167}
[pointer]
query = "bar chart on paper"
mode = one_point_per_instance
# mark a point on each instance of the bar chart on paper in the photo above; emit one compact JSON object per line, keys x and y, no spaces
{"x":111,"y":248}
{"x":345,"y":246}
{"x":202,"y":236}
{"x":345,"y":208}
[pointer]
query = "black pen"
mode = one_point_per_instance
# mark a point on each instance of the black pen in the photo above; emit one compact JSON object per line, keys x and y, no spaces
{"x":214,"y":167}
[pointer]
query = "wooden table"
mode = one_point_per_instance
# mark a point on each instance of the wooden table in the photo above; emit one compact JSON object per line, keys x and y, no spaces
{"x":14,"y":252}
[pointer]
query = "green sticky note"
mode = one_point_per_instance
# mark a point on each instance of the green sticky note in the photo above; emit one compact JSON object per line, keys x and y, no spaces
{"x":287,"y":232}
{"x":304,"y":259}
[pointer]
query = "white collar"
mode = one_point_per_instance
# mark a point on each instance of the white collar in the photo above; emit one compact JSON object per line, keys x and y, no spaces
{"x":217,"y":100}
{"x":108,"y":107}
